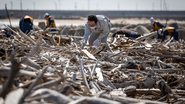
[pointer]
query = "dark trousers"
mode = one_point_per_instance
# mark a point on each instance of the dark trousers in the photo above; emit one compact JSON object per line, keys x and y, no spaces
{"x":175,"y":35}
{"x":132,"y":36}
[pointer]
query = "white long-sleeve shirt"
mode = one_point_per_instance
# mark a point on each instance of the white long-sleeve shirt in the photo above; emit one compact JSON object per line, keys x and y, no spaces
{"x":102,"y":28}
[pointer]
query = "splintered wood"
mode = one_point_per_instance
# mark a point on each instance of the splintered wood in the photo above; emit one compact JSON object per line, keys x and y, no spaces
{"x":53,"y":69}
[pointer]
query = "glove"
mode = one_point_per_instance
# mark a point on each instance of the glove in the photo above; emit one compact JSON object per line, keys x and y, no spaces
{"x":160,"y":31}
{"x":83,"y":43}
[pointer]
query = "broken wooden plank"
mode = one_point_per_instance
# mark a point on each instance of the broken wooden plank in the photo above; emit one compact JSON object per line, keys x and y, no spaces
{"x":14,"y":96}
{"x":146,"y":36}
{"x":127,"y":100}
{"x":88,"y":54}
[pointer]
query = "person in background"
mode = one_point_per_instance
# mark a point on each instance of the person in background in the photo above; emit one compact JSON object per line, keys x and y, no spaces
{"x":128,"y":33}
{"x":169,"y":31}
{"x":26,"y":24}
{"x":97,"y":29}
{"x":50,"y":22}
{"x":155,"y":24}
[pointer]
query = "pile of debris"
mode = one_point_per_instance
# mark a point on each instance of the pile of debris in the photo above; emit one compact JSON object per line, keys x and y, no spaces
{"x":47,"y":69}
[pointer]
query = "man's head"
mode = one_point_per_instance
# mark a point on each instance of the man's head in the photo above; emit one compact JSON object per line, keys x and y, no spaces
{"x":92,"y":20}
{"x":46,"y":15}
{"x":28,"y":18}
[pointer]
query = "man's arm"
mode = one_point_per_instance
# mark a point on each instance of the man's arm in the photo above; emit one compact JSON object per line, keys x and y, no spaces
{"x":48,"y":22}
{"x":86,"y":34}
{"x":160,"y":25}
{"x":104,"y":29}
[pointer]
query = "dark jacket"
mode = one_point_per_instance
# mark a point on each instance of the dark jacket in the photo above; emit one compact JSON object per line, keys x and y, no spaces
{"x":157,"y":25}
{"x":50,"y":22}
{"x":170,"y":31}
{"x":127,"y":33}
{"x":25,"y":25}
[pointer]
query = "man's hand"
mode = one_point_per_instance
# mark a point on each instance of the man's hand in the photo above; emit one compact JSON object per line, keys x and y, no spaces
{"x":83,"y":43}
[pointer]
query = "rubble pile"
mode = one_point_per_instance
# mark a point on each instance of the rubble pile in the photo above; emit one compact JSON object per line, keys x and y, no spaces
{"x":53,"y":69}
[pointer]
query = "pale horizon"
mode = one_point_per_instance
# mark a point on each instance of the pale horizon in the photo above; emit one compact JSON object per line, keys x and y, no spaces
{"x":94,"y":4}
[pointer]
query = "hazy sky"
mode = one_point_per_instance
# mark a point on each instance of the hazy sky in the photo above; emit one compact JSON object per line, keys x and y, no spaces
{"x":95,"y":4}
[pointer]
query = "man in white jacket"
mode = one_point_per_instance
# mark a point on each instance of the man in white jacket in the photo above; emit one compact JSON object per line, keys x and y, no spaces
{"x":97,"y":29}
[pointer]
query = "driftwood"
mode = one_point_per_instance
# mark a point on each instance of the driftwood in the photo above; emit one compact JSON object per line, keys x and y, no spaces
{"x":88,"y":54}
{"x":146,"y":36}
{"x":144,"y":91}
{"x":14,"y":96}
{"x":93,"y":100}
{"x":54,"y":69}
{"x":52,"y":96}
{"x":15,"y":67}
{"x":6,"y":70}
{"x":126,"y":100}
{"x":35,"y":50}
{"x":82,"y":73}
{"x":142,"y":30}
{"x":48,"y":84}
{"x":29,"y":62}
{"x":1,"y":100}
{"x":26,"y":37}
{"x":26,"y":93}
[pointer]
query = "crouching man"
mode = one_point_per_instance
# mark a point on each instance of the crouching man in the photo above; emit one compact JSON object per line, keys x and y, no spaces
{"x":26,"y":24}
{"x":168,"y":31}
{"x":97,"y":29}
{"x":127,"y":33}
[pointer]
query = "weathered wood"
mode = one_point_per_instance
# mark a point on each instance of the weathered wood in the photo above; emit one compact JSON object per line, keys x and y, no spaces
{"x":12,"y":31}
{"x":27,"y":37}
{"x":146,"y":36}
{"x":14,"y":96}
{"x":51,"y":96}
{"x":123,"y":70}
{"x":30,"y":62}
{"x":145,"y":91}
{"x":82,"y":73}
{"x":15,"y":67}
{"x":93,"y":100}
{"x":168,"y":42}
{"x":4,"y":72}
{"x":26,"y":93}
{"x":88,"y":54}
{"x":48,"y":84}
{"x":127,"y":100}
{"x":1,"y":101}
{"x":142,"y":30}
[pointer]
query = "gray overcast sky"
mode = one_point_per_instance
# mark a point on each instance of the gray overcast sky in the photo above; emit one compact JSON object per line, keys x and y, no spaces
{"x":95,"y":4}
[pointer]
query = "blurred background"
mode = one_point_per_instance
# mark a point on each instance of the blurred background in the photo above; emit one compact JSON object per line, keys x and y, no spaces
{"x":78,"y":9}
{"x":152,"y":5}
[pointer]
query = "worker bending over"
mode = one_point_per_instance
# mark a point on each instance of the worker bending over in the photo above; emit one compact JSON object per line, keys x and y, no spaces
{"x":97,"y":29}
{"x":127,"y":33}
{"x":155,"y":24}
{"x":26,"y":24}
{"x":50,"y":22}
{"x":168,"y":31}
